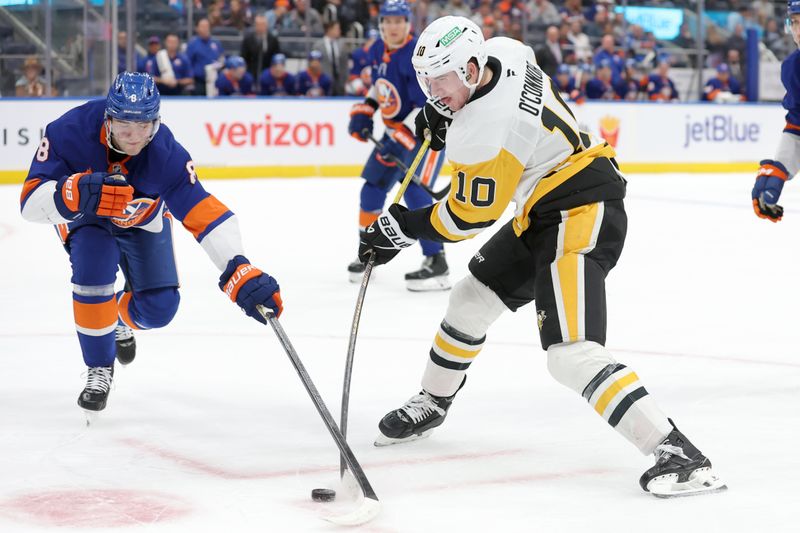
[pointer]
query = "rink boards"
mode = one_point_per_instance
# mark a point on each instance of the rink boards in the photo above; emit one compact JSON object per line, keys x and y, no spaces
{"x":294,"y":137}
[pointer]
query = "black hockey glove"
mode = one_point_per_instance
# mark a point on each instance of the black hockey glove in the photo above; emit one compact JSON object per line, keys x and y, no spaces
{"x":385,"y":237}
{"x":435,"y":117}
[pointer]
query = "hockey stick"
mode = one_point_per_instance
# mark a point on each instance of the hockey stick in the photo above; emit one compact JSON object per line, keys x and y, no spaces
{"x":362,"y":292}
{"x":436,"y":195}
{"x":370,"y":507}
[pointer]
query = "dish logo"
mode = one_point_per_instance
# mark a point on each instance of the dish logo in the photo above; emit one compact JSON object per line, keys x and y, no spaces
{"x":270,"y":133}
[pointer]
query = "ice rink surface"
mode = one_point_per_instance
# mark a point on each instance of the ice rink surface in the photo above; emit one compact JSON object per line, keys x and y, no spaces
{"x":210,"y":429}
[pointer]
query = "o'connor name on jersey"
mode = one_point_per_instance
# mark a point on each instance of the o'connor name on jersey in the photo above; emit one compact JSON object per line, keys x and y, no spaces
{"x":530,"y":99}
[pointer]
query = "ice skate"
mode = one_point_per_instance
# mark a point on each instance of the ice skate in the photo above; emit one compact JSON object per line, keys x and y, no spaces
{"x":98,"y":384}
{"x":126,"y":344}
{"x":680,"y":469}
{"x":432,"y":275}
{"x":415,"y":420}
{"x":356,"y":271}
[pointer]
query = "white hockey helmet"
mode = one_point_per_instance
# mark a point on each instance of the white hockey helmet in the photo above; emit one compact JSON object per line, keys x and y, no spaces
{"x":447,"y":45}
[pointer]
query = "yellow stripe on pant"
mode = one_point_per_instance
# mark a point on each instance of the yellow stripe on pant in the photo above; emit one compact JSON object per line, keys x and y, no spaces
{"x":577,"y":236}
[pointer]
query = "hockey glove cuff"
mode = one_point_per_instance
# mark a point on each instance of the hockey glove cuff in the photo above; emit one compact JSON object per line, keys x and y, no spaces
{"x":248,"y":287}
{"x":385,"y":237}
{"x":361,"y":124}
{"x":767,"y":190}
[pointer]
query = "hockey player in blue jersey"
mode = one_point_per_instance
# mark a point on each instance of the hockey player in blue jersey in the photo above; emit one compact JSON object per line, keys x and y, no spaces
{"x":276,"y":81}
{"x":397,"y":95}
{"x":774,"y":172}
{"x":234,"y":80}
{"x":723,"y":88}
{"x":360,"y":79}
{"x":111,"y":177}
{"x":312,"y":81}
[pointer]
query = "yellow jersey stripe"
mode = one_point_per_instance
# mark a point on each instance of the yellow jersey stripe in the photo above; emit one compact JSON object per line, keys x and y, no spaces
{"x":455,"y":350}
{"x":614,"y":389}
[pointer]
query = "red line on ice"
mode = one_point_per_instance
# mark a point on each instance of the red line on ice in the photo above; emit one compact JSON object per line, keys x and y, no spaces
{"x":224,"y":473}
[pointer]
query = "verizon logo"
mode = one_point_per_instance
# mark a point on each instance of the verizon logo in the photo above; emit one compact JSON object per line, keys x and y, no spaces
{"x":270,"y":133}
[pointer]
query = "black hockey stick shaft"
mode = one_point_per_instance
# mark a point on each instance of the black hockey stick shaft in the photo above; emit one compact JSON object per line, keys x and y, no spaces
{"x":351,"y":350}
{"x":351,"y":347}
{"x":341,"y":443}
{"x":436,"y":195}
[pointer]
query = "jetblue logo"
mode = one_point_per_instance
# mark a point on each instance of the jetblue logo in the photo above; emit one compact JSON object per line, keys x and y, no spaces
{"x":719,"y":129}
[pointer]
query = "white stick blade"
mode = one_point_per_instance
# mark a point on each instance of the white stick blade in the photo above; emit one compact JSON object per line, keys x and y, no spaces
{"x":368,"y":510}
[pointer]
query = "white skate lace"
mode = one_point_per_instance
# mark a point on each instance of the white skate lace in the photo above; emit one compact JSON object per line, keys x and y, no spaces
{"x":123,"y":332}
{"x":420,"y":406}
{"x":666,"y":451}
{"x":99,"y":379}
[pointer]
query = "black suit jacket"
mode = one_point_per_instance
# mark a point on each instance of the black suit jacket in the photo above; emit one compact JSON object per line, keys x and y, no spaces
{"x":546,"y":60}
{"x":254,"y":55}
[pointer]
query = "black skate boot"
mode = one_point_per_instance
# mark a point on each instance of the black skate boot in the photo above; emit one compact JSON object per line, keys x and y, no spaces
{"x":416,"y":419}
{"x":356,"y":271}
{"x":680,"y":469}
{"x":126,"y":344}
{"x":432,"y":275}
{"x":98,"y":385}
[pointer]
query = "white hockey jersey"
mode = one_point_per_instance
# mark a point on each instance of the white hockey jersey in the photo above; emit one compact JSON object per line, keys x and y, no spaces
{"x":516,"y":139}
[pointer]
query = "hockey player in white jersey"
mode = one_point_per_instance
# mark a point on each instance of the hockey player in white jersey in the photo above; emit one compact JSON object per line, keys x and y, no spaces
{"x":510,"y":137}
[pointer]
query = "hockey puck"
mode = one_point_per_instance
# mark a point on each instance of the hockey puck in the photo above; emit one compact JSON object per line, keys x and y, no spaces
{"x":323,"y":495}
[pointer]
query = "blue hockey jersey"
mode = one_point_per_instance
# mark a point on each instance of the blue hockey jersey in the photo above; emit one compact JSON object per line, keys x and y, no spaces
{"x":163,"y":172}
{"x":272,"y":86}
{"x":395,"y":86}
{"x":790,"y":77}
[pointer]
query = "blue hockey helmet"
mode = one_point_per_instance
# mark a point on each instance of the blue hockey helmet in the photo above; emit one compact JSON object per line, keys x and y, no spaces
{"x":793,"y":7}
{"x":235,"y":62}
{"x":395,"y":8}
{"x":133,"y":96}
{"x":315,"y":55}
{"x":563,"y":68}
{"x":278,"y":59}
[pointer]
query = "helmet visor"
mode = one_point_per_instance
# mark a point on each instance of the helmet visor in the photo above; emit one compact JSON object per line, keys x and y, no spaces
{"x":128,"y":129}
{"x":442,"y":87}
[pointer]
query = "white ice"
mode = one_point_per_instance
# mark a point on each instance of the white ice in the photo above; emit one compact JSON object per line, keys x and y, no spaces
{"x":210,"y":429}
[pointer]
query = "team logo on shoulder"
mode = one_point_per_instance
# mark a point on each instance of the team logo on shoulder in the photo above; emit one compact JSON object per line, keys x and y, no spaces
{"x":139,"y":210}
{"x":540,"y":318}
{"x":388,"y":98}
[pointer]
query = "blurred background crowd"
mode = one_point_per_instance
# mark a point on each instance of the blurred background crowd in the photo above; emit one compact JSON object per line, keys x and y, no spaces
{"x":637,"y":50}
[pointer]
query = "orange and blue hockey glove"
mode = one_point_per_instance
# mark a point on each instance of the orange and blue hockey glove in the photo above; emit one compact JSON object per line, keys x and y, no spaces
{"x":361,"y":124}
{"x":767,"y":190}
{"x":100,"y":194}
{"x":248,"y":287}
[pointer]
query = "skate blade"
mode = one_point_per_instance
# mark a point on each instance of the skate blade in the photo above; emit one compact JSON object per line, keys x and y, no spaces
{"x":368,"y":510}
{"x":92,"y":417}
{"x":382,"y":440}
{"x":439,"y":283}
{"x":701,"y":481}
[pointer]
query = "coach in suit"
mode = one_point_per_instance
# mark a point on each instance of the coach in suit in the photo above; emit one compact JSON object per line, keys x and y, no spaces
{"x":258,"y":48}
{"x":335,"y":57}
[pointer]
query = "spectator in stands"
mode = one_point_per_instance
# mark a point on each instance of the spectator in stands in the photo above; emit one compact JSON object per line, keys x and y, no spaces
{"x":31,"y":84}
{"x":598,"y":26}
{"x":214,"y":15}
{"x":608,"y":53}
{"x":334,"y":57}
{"x":238,"y":15}
{"x":723,"y":88}
{"x":571,"y":10}
{"x":735,"y":64}
{"x":276,"y":81}
{"x":234,"y":80}
{"x":686,"y":41}
{"x":660,"y":87}
{"x":634,"y":80}
{"x":203,"y":51}
{"x":549,"y":56}
{"x":146,"y":63}
{"x":543,"y":12}
{"x":172,"y":70}
{"x":595,"y":8}
{"x":566,"y":84}
{"x":122,"y":53}
{"x":278,"y":18}
{"x":602,"y":87}
{"x":488,"y":27}
{"x":301,"y":13}
{"x":715,"y":44}
{"x":483,"y":10}
{"x":775,"y":39}
{"x":258,"y":47}
{"x":456,"y":8}
{"x":360,"y":79}
{"x":579,"y":40}
{"x":312,"y":81}
{"x":737,"y":40}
